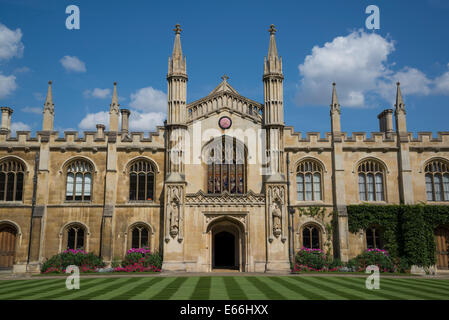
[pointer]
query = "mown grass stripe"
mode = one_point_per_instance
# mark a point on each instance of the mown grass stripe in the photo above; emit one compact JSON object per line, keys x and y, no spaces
{"x":149,"y":292}
{"x":304,"y":294}
{"x":188,"y":288}
{"x":233,"y":289}
{"x":418,"y":291}
{"x":31,"y":291}
{"x":6,"y":284}
{"x":440,"y":284}
{"x":170,"y":289}
{"x":63,"y":291}
{"x":112,"y":285}
{"x":131,"y":283}
{"x":405,"y":291}
{"x":358,"y":285}
{"x":136,"y":289}
{"x":270,"y":293}
{"x":25,"y":285}
{"x":219,"y":289}
{"x":202,"y":289}
{"x":321,"y":282}
{"x":432,"y":290}
{"x":318,"y":290}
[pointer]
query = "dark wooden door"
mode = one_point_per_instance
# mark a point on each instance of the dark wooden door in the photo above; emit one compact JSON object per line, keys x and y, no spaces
{"x":442,"y":241}
{"x":7,"y":246}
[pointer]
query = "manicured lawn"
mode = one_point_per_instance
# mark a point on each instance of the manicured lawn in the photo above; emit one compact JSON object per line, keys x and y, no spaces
{"x":226,"y":287}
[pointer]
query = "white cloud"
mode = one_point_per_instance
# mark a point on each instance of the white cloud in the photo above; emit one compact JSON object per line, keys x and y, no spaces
{"x":32,"y":110}
{"x":22,"y":70}
{"x":354,"y":62}
{"x":97,"y":93}
{"x":145,"y":121}
{"x":10,"y":43}
{"x":7,"y":85}
{"x":73,"y":64}
{"x":138,"y":121}
{"x":358,"y":64}
{"x":90,"y":121}
{"x":19,"y":126}
{"x":442,"y":83}
{"x":149,"y":100}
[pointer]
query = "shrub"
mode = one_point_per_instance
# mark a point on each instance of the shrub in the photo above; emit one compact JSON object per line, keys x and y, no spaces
{"x":87,"y":262}
{"x":140,"y":260}
{"x":376,"y":257}
{"x":311,"y":258}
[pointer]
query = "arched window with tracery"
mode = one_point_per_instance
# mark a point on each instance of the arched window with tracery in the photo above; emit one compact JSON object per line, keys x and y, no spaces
{"x":371,"y":175}
{"x":309,"y":175}
{"x":226,"y":166}
{"x":75,"y":237}
{"x":437,"y":180}
{"x":79,"y":181}
{"x":311,"y":237}
{"x":11,"y":180}
{"x":374,"y":238}
{"x":141,"y":180}
{"x":140,"y":236}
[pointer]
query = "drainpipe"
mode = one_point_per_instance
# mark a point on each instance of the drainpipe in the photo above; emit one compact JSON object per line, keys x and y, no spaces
{"x":33,"y":202}
{"x":290,"y":211}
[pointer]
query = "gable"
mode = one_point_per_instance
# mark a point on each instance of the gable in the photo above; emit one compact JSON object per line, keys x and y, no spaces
{"x":224,"y":97}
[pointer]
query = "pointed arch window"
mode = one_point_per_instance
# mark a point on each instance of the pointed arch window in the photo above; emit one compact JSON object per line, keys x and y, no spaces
{"x":141,"y":181}
{"x":374,"y":238}
{"x":140,"y":237}
{"x":371,"y":179}
{"x":311,"y":237}
{"x":75,"y":235}
{"x":11,"y":180}
{"x":309,"y":175}
{"x":226,"y":166}
{"x":79,"y":181}
{"x":437,"y":180}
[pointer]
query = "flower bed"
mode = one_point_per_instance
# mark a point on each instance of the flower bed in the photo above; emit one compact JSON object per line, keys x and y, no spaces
{"x":87,"y":262}
{"x":140,"y":260}
{"x":314,"y":260}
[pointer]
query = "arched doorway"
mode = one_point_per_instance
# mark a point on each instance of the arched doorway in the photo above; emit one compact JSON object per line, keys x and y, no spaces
{"x":442,"y":246}
{"x":225,"y":251}
{"x":227,"y":245}
{"x":7,"y":246}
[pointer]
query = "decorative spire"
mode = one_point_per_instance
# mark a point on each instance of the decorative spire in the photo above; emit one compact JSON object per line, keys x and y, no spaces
{"x":334,"y":104}
{"x":114,"y":107}
{"x":49,"y":105}
{"x":177,"y":63}
{"x":272,"y":50}
{"x":225,"y":78}
{"x":273,"y":63}
{"x":399,"y":101}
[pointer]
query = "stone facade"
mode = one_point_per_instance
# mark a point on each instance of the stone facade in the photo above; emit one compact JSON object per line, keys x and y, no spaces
{"x":184,"y":219}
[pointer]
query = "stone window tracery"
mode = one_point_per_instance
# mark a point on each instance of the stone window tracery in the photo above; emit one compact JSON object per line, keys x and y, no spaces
{"x":371,"y":175}
{"x":79,"y":181}
{"x":437,"y":180}
{"x":226,"y":166}
{"x":141,"y":181}
{"x":309,"y":175}
{"x":11,"y":180}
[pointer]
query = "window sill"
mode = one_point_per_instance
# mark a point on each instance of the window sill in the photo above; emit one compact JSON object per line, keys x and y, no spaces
{"x":373,"y":202}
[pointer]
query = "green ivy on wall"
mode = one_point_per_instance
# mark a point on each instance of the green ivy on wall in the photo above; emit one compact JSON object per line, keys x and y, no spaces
{"x":408,"y":230}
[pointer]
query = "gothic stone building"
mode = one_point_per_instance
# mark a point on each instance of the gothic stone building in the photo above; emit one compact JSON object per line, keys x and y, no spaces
{"x":215,"y":187}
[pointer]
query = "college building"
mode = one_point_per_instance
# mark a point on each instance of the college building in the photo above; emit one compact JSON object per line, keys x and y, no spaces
{"x":220,"y":185}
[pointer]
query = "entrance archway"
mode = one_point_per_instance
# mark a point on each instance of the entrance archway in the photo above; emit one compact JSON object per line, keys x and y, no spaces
{"x":227,"y":249}
{"x":442,"y":246}
{"x":8,"y":235}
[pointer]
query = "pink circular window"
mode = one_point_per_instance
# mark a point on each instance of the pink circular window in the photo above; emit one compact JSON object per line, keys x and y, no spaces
{"x":225,"y":122}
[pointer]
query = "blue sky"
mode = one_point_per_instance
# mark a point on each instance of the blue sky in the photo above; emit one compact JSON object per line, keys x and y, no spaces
{"x":130,"y":41}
